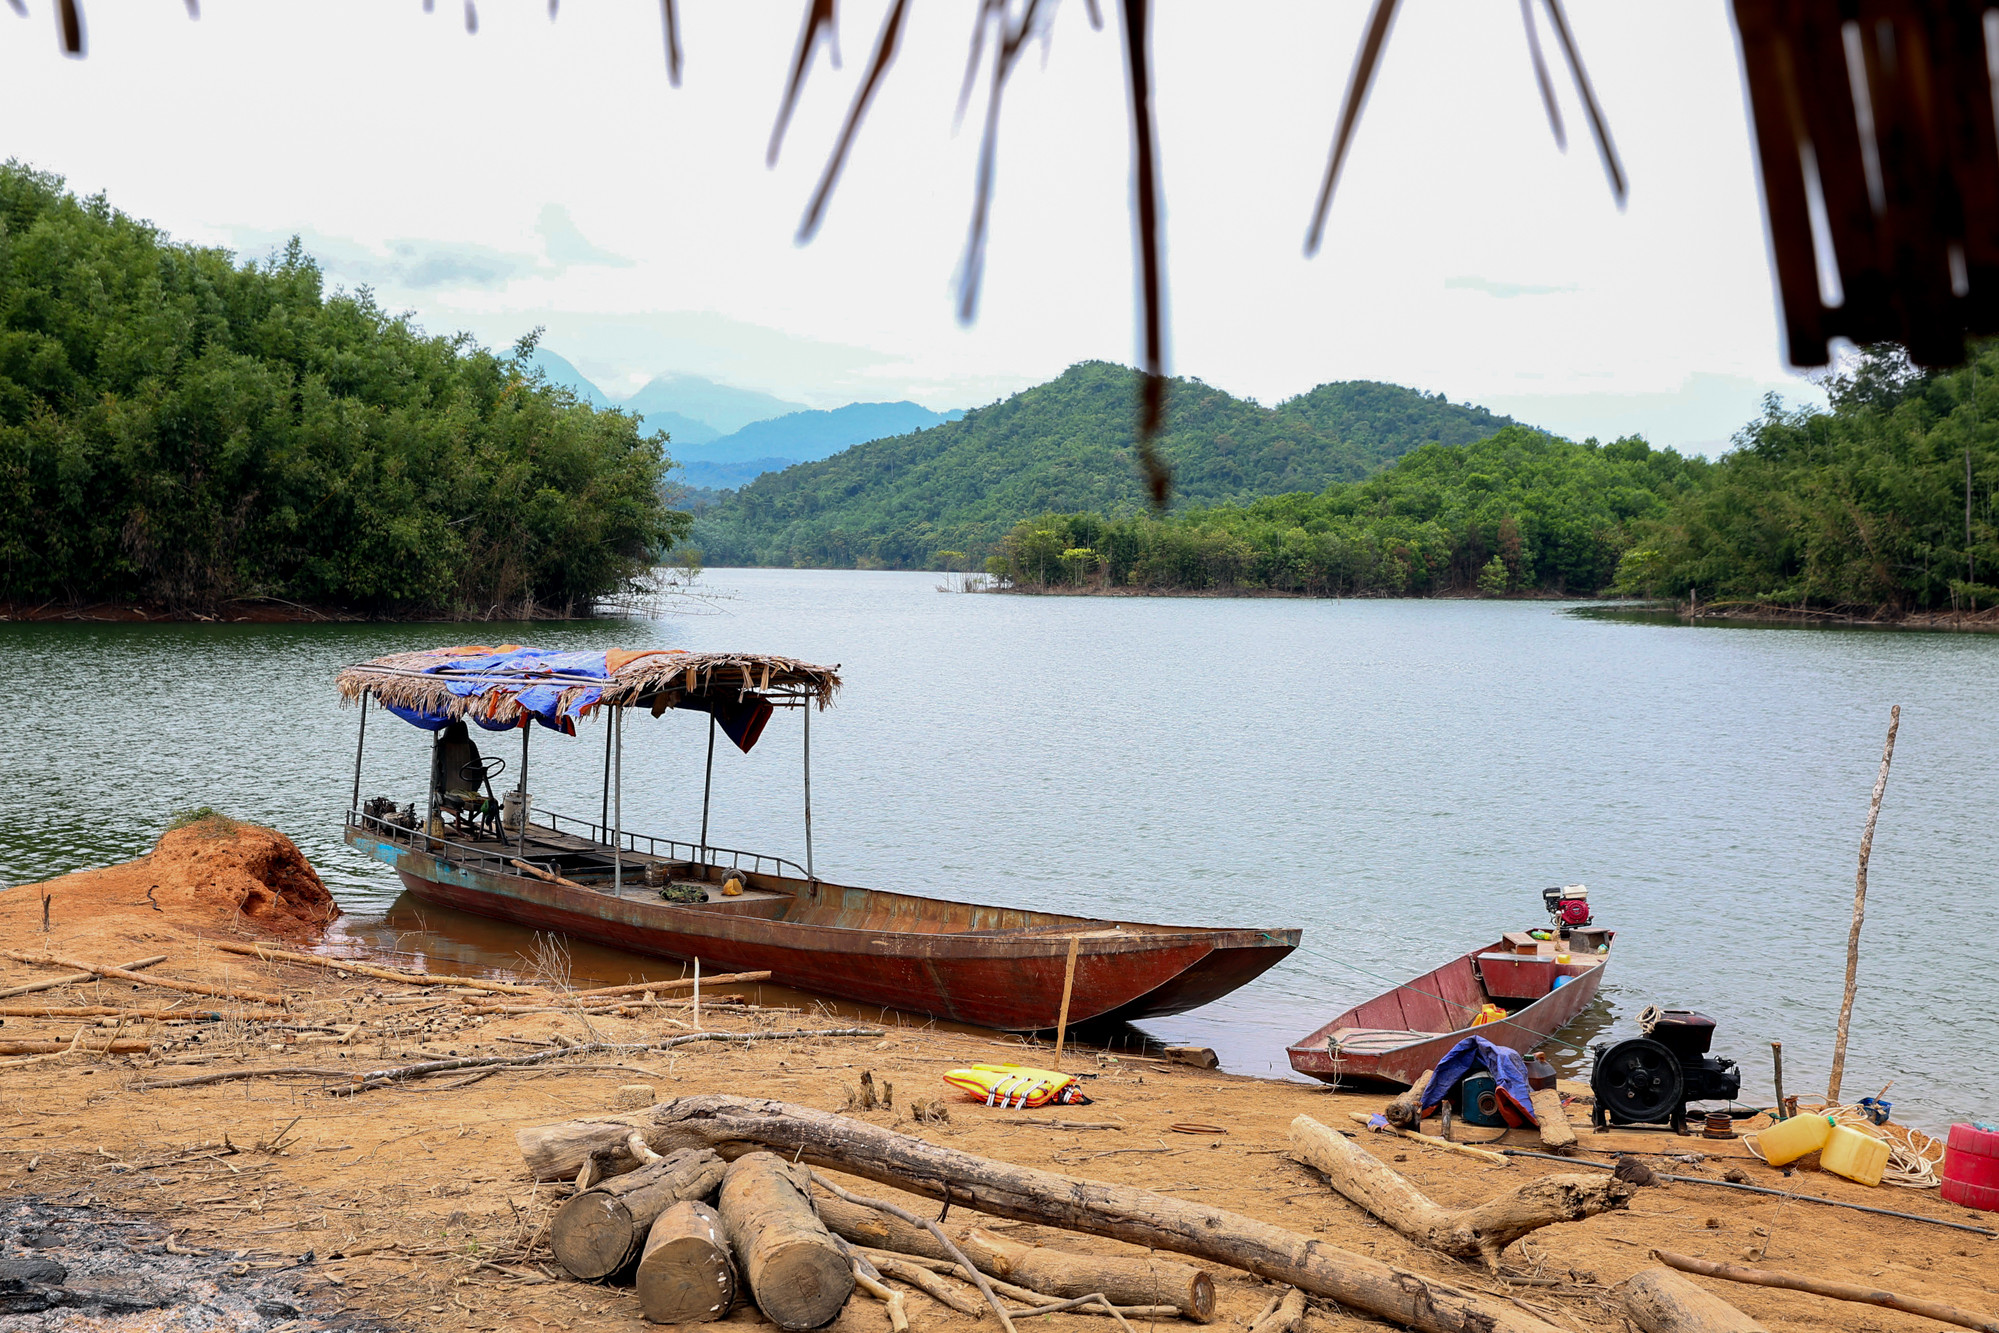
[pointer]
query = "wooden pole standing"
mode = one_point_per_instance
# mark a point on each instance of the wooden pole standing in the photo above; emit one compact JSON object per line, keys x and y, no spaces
{"x":1860,"y":910}
{"x":1068,"y":982}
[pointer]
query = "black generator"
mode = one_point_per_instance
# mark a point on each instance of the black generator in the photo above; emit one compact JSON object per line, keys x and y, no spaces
{"x":1649,"y":1080}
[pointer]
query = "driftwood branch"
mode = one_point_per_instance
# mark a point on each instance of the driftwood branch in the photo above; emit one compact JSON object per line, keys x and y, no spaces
{"x":1659,"y":1300}
{"x":271,"y":955}
{"x":1839,"y":1291}
{"x":126,"y":974}
{"x":1860,"y":910}
{"x":1285,"y":1313}
{"x":1046,"y":1274}
{"x":73,"y":978}
{"x":376,"y":1078}
{"x":733,"y":1125}
{"x":1479,"y":1232}
{"x":882,"y":1206}
{"x":1406,"y":1111}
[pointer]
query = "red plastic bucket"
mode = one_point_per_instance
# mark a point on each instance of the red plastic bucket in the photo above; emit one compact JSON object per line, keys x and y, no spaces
{"x":1971,"y":1168}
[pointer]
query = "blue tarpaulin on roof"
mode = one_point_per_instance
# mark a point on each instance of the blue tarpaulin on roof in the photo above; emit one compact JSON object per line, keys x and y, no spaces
{"x":534,"y":678}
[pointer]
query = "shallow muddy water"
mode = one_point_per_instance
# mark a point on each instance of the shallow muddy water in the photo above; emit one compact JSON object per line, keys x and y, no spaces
{"x":1399,"y":778}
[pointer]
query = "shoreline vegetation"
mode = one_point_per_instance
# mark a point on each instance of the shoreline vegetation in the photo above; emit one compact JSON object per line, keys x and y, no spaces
{"x":183,"y":432}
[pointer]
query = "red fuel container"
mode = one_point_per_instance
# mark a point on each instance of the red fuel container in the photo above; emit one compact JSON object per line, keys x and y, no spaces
{"x":1971,"y":1168}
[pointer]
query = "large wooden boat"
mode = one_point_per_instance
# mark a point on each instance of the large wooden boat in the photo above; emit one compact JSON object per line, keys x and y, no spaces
{"x":996,"y":967}
{"x":1398,"y":1035}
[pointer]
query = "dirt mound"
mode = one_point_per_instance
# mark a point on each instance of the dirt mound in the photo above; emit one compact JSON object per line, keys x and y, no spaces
{"x":211,"y":875}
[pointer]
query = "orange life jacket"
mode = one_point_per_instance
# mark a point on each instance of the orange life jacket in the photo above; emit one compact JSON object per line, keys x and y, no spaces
{"x":1017,"y":1086}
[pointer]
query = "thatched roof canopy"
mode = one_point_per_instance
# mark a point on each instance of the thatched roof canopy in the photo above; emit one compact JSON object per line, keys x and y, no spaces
{"x":502,"y":686}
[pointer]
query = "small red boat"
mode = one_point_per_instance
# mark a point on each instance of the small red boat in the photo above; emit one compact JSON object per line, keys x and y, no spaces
{"x":994,"y":967}
{"x":1540,"y":984}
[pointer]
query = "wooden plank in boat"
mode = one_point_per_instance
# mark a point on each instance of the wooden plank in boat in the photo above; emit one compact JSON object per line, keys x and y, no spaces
{"x":1373,"y":1041}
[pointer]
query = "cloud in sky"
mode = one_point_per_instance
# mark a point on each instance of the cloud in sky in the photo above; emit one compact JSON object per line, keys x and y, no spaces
{"x":1465,"y":254}
{"x":1505,"y":290}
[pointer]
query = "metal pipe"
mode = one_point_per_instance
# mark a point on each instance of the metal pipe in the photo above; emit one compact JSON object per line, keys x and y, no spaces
{"x":707,"y":788}
{"x":1761,"y":1189}
{"x":808,"y":791}
{"x":358,"y":745}
{"x":618,"y":806}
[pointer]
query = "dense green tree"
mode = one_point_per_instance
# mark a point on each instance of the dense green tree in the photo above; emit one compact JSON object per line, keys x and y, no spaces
{"x":1518,"y":511}
{"x":179,"y":428}
{"x":1864,"y":507}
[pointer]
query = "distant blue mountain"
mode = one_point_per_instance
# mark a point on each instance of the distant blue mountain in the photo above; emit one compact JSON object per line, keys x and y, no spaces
{"x":559,"y":371}
{"x":722,"y":407}
{"x":804,"y":437}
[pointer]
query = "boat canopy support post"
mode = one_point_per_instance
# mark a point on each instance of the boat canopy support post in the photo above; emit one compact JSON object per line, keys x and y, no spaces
{"x":808,"y":789}
{"x":707,"y":788}
{"x":618,"y":802}
{"x":527,"y":729}
{"x":604,"y":819}
{"x":360,"y":744}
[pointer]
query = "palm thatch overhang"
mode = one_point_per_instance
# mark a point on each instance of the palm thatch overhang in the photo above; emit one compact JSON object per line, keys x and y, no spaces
{"x":462,"y":683}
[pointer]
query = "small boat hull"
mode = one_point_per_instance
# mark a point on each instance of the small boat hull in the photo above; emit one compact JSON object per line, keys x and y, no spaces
{"x":1400,"y":1035}
{"x":991,"y":967}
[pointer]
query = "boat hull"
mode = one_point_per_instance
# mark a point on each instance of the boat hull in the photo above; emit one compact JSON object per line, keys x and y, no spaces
{"x":1450,"y":988}
{"x":990,"y":967}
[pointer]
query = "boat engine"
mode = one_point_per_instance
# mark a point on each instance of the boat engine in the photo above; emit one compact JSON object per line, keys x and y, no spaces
{"x":1649,"y":1080}
{"x":1568,"y":905}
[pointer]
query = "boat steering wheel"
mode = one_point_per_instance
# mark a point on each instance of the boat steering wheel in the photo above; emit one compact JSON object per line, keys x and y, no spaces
{"x":483,"y":769}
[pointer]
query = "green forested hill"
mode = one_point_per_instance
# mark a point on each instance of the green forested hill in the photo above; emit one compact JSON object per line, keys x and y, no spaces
{"x":180,"y":429}
{"x":1065,"y":445}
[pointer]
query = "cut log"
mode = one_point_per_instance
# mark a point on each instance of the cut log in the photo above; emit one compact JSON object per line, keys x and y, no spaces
{"x":1479,"y":1232}
{"x":1557,"y":1135}
{"x":734,"y":1125}
{"x":555,"y":1152}
{"x":602,"y":1230}
{"x":1201,"y":1057}
{"x":1284,"y":1314}
{"x":1125,"y":1279}
{"x":1659,"y":1300}
{"x":1838,"y":1291}
{"x":686,"y":1275}
{"x":795,"y":1270}
{"x":1406,"y":1111}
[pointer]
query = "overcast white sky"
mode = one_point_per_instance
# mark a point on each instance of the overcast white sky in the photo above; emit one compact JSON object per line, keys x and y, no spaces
{"x":544,"y":173}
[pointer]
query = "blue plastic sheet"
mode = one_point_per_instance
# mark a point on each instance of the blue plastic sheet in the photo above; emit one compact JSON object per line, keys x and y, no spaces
{"x":1508,"y":1070}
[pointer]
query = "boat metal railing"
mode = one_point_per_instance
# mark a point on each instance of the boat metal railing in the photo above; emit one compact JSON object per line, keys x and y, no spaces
{"x":499,"y":857}
{"x":675,"y":850}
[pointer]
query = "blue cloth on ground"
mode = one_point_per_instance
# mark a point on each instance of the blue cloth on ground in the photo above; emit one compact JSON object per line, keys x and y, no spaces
{"x":1508,"y":1070}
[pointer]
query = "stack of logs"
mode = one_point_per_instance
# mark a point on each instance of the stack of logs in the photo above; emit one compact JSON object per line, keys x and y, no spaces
{"x":799,"y":1243}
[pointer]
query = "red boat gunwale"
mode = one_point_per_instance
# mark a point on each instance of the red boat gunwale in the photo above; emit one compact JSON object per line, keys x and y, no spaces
{"x":1400,"y":1034}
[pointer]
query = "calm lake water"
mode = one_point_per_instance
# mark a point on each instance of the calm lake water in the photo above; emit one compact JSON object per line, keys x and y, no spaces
{"x":1400,"y":778}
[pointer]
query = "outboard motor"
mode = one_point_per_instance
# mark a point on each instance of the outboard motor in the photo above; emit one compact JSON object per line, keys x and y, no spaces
{"x":1649,"y":1080}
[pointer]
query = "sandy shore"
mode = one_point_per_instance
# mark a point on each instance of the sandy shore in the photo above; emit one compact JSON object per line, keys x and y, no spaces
{"x":414,"y":1204}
